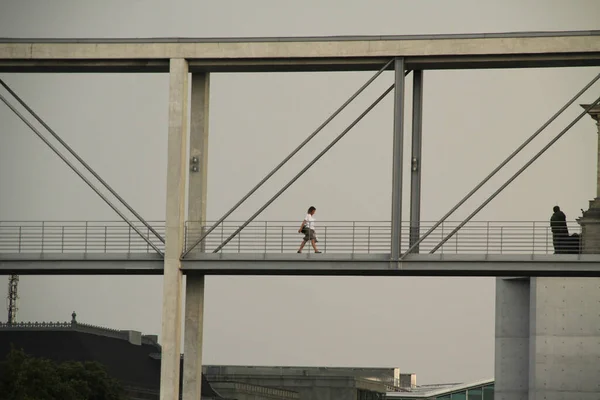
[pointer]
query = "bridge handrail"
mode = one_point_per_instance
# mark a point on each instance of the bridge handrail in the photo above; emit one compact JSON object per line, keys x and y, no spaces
{"x":281,"y":236}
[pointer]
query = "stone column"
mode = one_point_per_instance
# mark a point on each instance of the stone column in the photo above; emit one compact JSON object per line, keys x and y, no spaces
{"x":197,"y":196}
{"x":590,"y":221}
{"x":174,"y":230}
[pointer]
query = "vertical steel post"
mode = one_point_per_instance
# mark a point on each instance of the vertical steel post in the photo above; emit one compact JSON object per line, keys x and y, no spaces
{"x":266,"y":237}
{"x":397,"y":158}
{"x":43,"y":234}
{"x":415,"y":170}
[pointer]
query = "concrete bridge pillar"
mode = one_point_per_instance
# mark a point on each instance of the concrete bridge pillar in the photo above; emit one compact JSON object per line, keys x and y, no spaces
{"x":174,"y":229}
{"x":197,"y":197}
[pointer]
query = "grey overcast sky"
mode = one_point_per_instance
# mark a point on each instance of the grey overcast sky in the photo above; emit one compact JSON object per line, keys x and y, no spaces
{"x":441,"y":329}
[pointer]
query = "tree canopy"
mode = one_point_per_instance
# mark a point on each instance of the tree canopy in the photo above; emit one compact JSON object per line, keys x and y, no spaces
{"x":23,"y":377}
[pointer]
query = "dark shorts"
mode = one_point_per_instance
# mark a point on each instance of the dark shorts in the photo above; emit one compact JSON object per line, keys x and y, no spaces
{"x":309,"y":234}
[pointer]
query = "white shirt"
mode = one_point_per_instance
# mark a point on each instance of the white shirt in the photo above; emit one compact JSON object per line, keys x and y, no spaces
{"x":310,"y":221}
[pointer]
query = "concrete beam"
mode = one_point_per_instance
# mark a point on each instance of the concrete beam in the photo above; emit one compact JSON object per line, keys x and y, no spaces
{"x":272,"y":54}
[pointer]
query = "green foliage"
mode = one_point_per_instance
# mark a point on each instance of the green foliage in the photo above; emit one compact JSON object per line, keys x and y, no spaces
{"x":23,"y":377}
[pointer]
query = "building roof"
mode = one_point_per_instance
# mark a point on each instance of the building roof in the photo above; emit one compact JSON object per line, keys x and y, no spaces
{"x":128,"y":356}
{"x":427,"y":391}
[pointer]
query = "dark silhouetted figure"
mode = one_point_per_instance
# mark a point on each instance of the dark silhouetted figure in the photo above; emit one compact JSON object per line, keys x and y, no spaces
{"x":560,"y":232}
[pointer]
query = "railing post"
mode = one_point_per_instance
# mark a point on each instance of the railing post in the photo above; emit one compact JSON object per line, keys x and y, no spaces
{"x":43,"y":230}
{"x":442,"y":238}
{"x":456,"y":246}
{"x":533,"y":239}
{"x":129,"y":240}
{"x":266,"y":233}
{"x":148,"y":244}
{"x":222,"y":233}
{"x":353,"y":234}
{"x":487,"y":238}
{"x":185,"y":235}
{"x":369,"y":240}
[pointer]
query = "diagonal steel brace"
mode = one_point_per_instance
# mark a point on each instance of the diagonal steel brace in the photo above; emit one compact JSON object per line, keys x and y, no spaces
{"x":74,"y":154}
{"x":86,"y":180}
{"x":512,"y":178}
{"x":286,"y":159}
{"x":295,"y":178}
{"x":502,"y":164}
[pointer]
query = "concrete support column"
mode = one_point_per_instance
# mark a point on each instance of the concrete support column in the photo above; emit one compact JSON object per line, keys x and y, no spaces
{"x":174,"y":229}
{"x":398,"y":149}
{"x":197,"y":196}
{"x":512,"y":338}
{"x":194,"y":327}
{"x":415,"y":169}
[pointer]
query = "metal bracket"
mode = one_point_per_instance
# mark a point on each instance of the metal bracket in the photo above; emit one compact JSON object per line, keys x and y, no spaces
{"x":415,"y":164}
{"x":194,"y":164}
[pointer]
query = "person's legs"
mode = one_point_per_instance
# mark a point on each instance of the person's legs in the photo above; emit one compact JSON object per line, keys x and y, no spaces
{"x":313,"y":240}
{"x":302,"y":246}
{"x":561,"y":243}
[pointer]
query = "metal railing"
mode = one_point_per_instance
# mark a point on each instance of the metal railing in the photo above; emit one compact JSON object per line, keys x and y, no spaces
{"x":366,"y":237}
{"x":76,"y":237}
{"x":349,"y":237}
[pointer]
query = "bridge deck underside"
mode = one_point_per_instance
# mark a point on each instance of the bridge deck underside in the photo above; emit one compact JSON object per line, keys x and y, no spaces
{"x":306,"y":264}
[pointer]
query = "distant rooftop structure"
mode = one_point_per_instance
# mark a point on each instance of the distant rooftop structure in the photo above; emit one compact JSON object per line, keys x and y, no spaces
{"x":480,"y":390}
{"x":128,"y":356}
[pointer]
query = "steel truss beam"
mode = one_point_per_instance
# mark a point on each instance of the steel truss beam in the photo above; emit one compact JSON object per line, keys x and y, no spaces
{"x":74,"y":169}
{"x":13,"y":297}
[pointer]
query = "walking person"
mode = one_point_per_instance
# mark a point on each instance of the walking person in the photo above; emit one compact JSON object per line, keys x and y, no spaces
{"x":560,"y":232}
{"x":308,"y":228}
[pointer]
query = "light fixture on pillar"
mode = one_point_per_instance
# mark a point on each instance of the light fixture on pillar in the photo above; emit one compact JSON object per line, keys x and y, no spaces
{"x":194,"y":164}
{"x":590,"y":220}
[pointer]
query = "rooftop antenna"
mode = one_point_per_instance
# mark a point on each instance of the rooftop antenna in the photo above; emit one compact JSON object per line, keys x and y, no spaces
{"x":13,"y":283}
